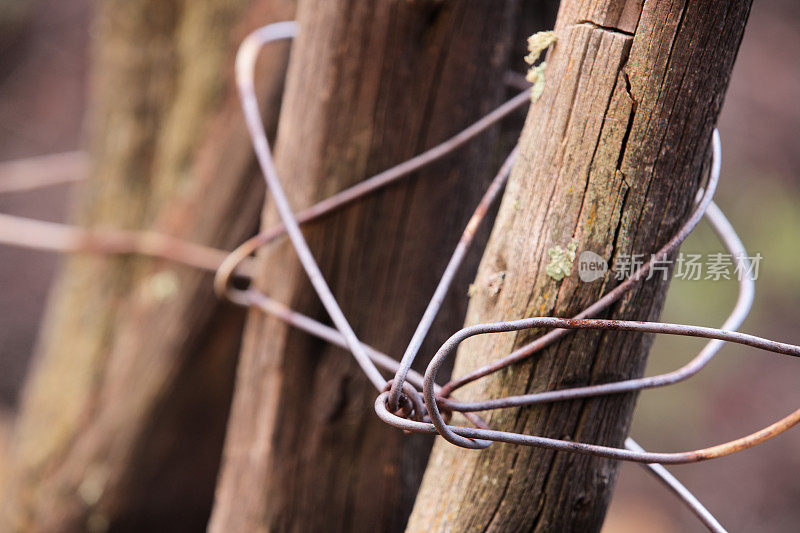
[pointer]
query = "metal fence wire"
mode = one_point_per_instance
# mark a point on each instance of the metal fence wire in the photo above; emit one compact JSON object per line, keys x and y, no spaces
{"x":399,"y":402}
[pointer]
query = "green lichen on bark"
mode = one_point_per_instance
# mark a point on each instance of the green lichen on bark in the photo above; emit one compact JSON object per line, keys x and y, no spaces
{"x":561,"y":260}
{"x":538,"y":43}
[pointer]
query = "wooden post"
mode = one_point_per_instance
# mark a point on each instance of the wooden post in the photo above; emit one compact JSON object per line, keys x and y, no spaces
{"x":123,"y":418}
{"x":370,"y":84}
{"x":611,"y":158}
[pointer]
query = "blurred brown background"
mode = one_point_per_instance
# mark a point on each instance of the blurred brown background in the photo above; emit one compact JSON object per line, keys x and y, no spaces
{"x":42,"y":102}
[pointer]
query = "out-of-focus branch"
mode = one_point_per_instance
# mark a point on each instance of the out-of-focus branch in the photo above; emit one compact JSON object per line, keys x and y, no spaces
{"x":42,"y":171}
{"x":51,"y":236}
{"x":6,"y":421}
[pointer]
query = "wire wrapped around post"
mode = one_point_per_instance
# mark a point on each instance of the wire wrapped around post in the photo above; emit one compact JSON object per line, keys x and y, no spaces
{"x":395,"y":393}
{"x":399,"y":403}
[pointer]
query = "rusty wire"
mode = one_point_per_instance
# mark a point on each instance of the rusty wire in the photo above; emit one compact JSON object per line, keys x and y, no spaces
{"x":399,"y":403}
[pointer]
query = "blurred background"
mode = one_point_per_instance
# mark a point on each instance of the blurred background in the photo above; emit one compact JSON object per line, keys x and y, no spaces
{"x":43,"y":86}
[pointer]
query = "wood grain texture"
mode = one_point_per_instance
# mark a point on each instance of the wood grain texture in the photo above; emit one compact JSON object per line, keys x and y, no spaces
{"x":370,"y":84}
{"x":123,"y":418}
{"x":611,"y":156}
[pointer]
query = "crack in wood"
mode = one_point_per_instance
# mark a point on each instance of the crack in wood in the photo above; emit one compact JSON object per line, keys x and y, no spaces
{"x":600,"y":27}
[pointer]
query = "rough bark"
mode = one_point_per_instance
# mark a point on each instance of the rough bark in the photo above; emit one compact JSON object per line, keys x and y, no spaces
{"x":611,"y":156}
{"x":370,"y":84}
{"x":123,"y":418}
